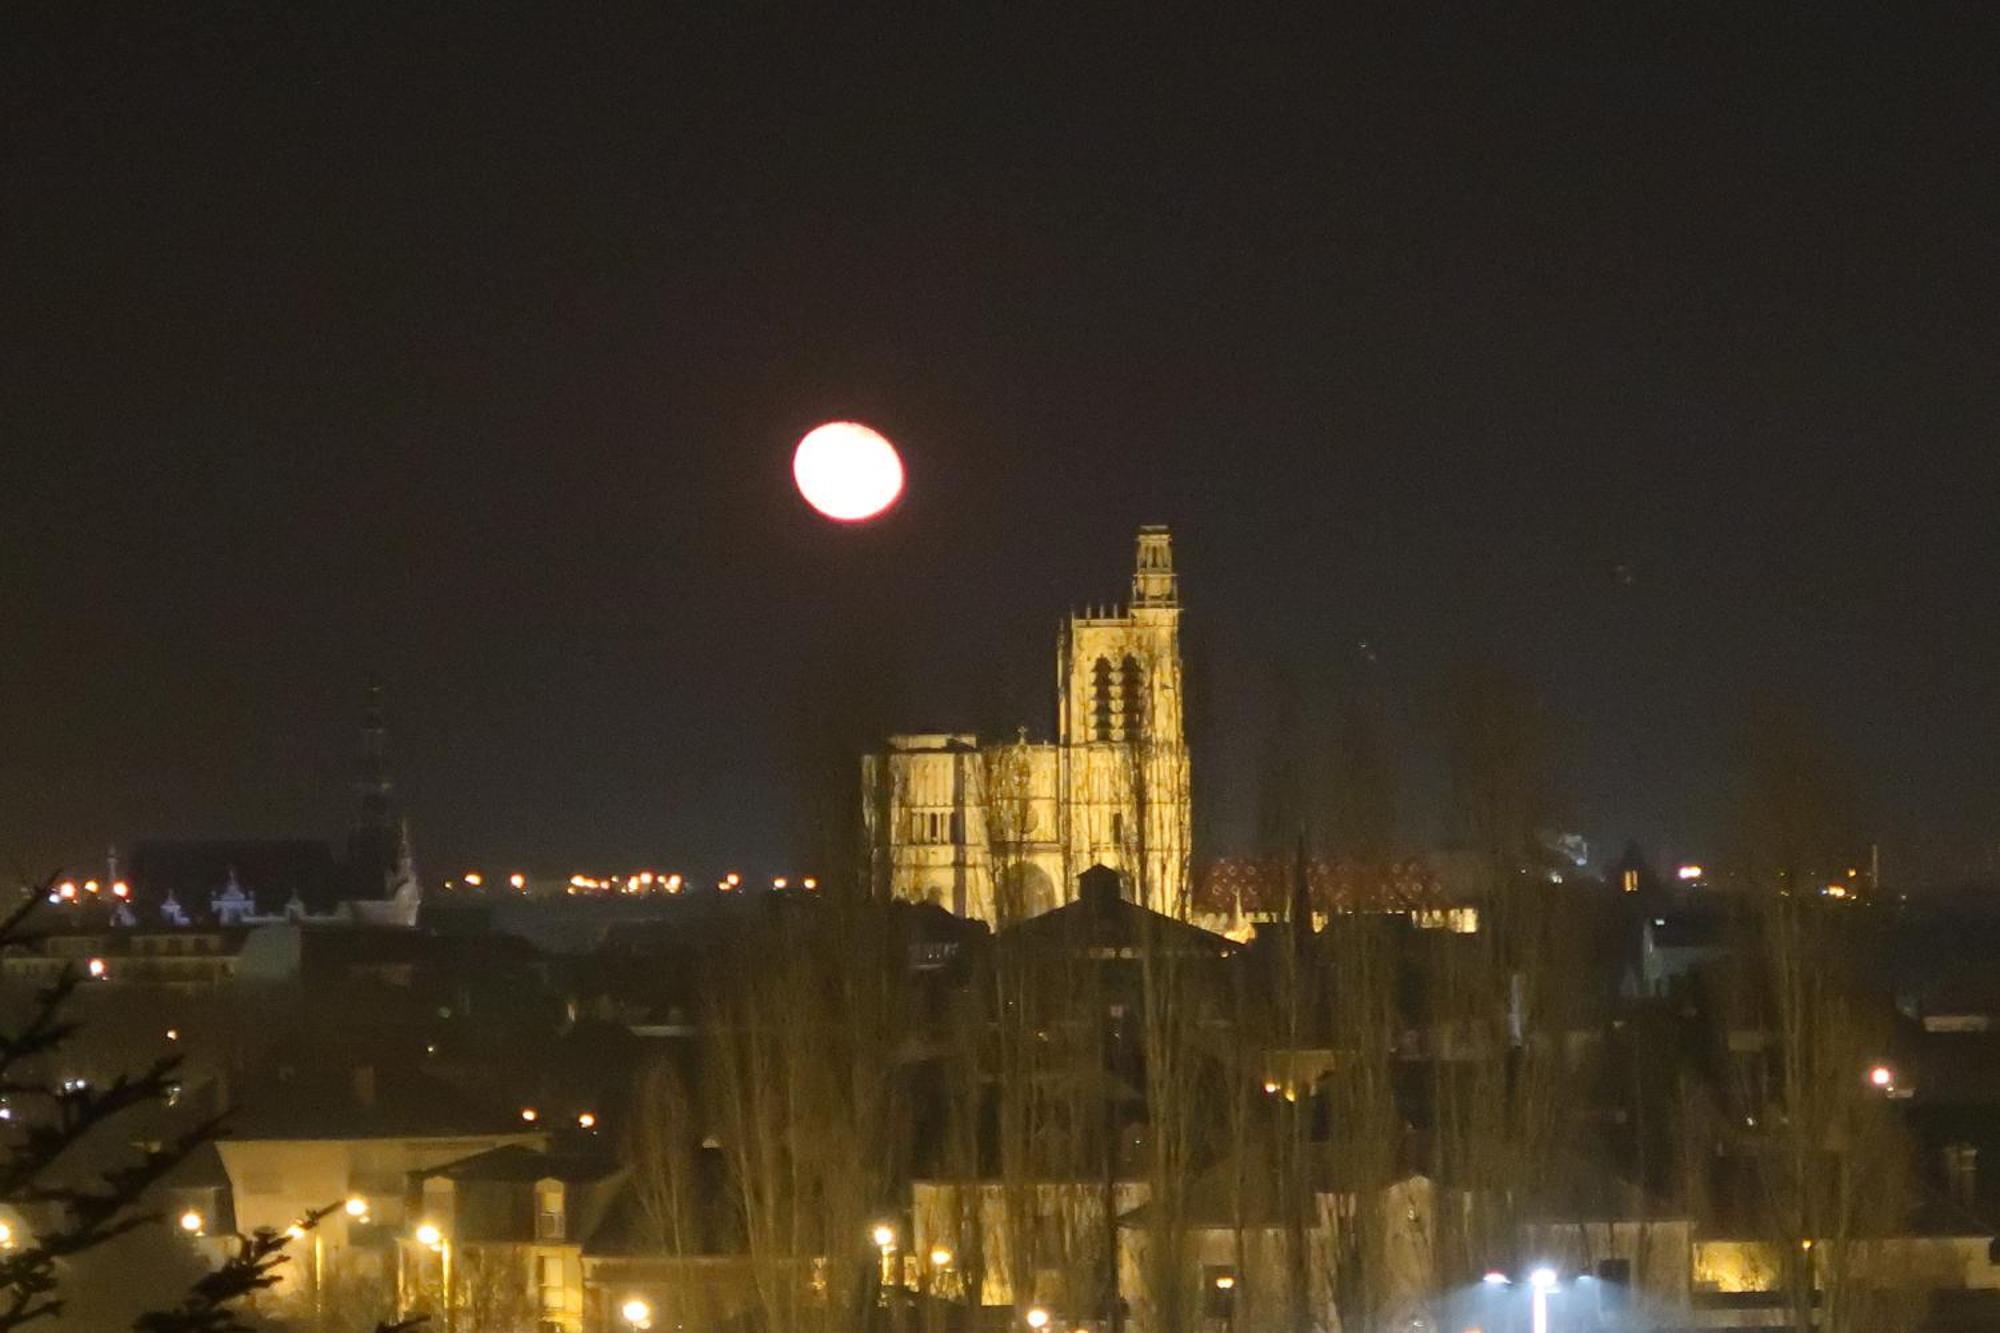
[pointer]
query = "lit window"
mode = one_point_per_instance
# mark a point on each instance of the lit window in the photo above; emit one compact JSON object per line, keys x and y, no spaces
{"x":549,"y":1281}
{"x":549,"y":1211}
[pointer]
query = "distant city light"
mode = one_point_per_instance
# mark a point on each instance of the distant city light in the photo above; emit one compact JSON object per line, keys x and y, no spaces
{"x":173,"y":1034}
{"x":97,"y":968}
{"x":1882,"y":1076}
{"x":474,"y":878}
{"x":1688,"y":872}
{"x":809,"y":883}
{"x":779,"y":883}
{"x":66,"y":889}
{"x":1495,"y":1278}
{"x":529,"y":1114}
{"x":518,"y":880}
{"x":120,"y":889}
{"x":295,"y":1231}
{"x":6,"y":1236}
{"x":191,"y":1222}
{"x":586,"y":1121}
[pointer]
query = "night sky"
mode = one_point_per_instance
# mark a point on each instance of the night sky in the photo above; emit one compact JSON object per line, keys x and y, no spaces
{"x":1652,"y":357}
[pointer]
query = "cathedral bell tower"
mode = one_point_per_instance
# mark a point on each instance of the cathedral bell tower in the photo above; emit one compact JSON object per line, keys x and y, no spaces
{"x":1124,"y":749}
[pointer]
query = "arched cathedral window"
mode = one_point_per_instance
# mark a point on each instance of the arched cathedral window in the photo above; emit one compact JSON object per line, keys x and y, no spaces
{"x":1100,"y":699}
{"x":1132,"y":689}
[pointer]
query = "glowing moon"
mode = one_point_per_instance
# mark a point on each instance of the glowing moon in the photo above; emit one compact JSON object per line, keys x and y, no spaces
{"x":847,"y":471}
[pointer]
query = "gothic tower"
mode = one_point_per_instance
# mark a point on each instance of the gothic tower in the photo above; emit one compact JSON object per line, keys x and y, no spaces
{"x":1124,"y":748}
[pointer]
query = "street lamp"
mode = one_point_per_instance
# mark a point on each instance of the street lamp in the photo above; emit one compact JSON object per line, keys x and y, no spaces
{"x":191,"y":1222}
{"x":1543,"y":1281}
{"x":1037,"y":1317}
{"x":636,"y":1313}
{"x":356,"y":1207}
{"x":429,"y":1236}
{"x":883,"y":1235}
{"x":941,"y":1256}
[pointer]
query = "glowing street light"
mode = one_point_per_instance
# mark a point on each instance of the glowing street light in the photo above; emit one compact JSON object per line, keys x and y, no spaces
{"x":883,"y":1235}
{"x":191,"y":1222}
{"x":1543,"y":1281}
{"x":941,"y":1256}
{"x":636,"y":1313}
{"x":6,"y":1237}
{"x":530,"y":1114}
{"x":1037,"y":1317}
{"x":98,"y":968}
{"x":356,"y":1207}
{"x":586,"y":1121}
{"x":1495,"y":1278}
{"x":429,"y":1236}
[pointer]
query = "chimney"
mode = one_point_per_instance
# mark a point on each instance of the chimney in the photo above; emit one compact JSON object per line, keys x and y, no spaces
{"x":364,"y":1086}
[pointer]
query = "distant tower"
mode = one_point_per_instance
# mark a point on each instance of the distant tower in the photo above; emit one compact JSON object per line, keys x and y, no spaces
{"x":1124,"y":744}
{"x":377,"y":844}
{"x":371,"y":771}
{"x":1002,"y":830}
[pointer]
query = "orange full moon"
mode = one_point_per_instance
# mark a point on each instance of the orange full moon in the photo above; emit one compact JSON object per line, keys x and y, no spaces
{"x":847,"y":471}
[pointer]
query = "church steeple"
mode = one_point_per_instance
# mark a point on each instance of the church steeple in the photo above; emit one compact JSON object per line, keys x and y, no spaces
{"x":378,"y":843}
{"x":371,"y":770}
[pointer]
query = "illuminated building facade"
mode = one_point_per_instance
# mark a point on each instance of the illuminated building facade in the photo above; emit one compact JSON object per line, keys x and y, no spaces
{"x":1001,"y":831}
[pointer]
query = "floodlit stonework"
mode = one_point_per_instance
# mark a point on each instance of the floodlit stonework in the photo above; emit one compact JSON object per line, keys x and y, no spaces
{"x":1000,"y":831}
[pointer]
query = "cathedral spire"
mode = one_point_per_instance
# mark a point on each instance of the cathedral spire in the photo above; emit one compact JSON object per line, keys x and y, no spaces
{"x":378,"y":843}
{"x":371,"y":770}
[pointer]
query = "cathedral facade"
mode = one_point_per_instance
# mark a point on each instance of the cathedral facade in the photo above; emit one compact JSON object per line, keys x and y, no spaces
{"x":999,"y":831}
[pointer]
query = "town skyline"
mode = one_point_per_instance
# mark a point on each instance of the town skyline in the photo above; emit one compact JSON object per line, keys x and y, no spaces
{"x":324,"y":373}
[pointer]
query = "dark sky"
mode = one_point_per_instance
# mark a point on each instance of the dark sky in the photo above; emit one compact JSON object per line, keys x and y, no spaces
{"x":467,"y":348}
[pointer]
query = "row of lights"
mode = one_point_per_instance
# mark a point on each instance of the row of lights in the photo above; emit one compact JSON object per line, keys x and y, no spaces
{"x":645,"y":881}
{"x":69,"y":891}
{"x":584,"y":1119}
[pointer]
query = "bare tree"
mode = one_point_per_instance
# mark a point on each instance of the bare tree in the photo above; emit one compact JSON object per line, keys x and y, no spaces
{"x":805,"y":1033}
{"x":1831,"y":1169}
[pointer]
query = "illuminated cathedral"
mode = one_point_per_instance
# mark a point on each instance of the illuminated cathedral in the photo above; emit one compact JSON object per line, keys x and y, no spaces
{"x":1001,"y":830}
